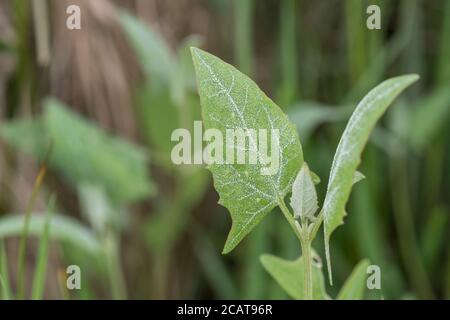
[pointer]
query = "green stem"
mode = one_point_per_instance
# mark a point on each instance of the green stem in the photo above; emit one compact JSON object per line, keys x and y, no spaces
{"x":304,"y":235}
{"x":316,"y":225}
{"x":306,"y":251}
{"x":288,"y":215}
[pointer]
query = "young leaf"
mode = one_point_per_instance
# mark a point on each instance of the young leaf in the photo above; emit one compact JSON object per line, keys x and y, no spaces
{"x":304,"y":196}
{"x":353,"y":288}
{"x":289,"y":275}
{"x":230,"y":100}
{"x":351,"y":145}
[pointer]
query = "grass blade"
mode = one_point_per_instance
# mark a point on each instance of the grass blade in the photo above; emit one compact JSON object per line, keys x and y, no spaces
{"x":243,"y":15}
{"x":288,"y":53}
{"x":26,"y":223}
{"x":41,"y":264}
{"x":5,"y":285}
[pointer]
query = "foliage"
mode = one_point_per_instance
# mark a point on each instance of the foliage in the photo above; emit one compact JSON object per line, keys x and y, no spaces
{"x":230,"y":99}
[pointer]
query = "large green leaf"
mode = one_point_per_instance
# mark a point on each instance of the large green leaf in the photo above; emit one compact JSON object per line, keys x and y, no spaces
{"x":356,"y":283}
{"x":230,"y":100}
{"x":351,"y":145}
{"x":84,"y":153}
{"x":290,"y":275}
{"x":28,"y":135}
{"x":158,"y":118}
{"x":61,"y":228}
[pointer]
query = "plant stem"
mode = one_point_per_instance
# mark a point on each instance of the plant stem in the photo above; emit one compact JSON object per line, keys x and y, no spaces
{"x":306,"y":251}
{"x":288,"y":215}
{"x":316,"y":225}
{"x":303,"y":235}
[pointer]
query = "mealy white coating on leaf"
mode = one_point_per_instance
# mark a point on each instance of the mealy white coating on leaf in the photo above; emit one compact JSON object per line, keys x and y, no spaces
{"x":351,"y":145}
{"x":231,"y":100}
{"x":304,"y":196}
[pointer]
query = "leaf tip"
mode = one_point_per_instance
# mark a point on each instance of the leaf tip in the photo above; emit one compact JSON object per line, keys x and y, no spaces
{"x":193,"y":49}
{"x":409,"y":78}
{"x":226,"y":249}
{"x":195,"y":52}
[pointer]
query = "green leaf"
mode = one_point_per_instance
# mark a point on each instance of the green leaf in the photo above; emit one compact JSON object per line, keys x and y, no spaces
{"x":158,"y":118}
{"x":290,"y":275}
{"x":27,"y":135}
{"x":356,"y":283}
{"x":351,"y":145}
{"x":230,"y":100}
{"x":83,"y":153}
{"x":61,"y":228}
{"x":86,"y":154}
{"x":304,"y":196}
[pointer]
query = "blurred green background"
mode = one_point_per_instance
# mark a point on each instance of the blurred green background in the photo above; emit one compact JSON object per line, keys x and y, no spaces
{"x":108,"y":97}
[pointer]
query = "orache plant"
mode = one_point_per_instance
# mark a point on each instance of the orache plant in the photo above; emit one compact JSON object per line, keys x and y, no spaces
{"x":230,"y":100}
